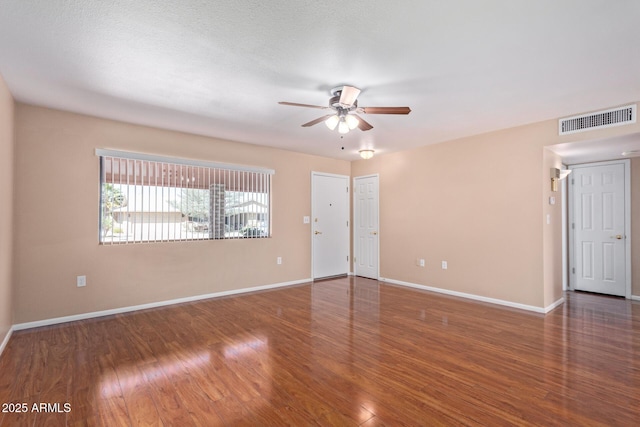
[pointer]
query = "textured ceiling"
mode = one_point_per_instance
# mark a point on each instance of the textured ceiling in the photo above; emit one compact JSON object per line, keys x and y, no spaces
{"x":219,"y":68}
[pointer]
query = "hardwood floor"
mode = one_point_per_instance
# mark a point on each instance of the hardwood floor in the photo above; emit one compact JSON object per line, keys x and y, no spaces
{"x":343,"y":352}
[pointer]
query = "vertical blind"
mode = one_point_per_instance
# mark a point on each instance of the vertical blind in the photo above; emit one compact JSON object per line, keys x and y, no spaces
{"x":155,"y":199}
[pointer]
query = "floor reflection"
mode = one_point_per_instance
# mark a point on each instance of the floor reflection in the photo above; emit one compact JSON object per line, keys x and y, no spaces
{"x":592,"y":339}
{"x":246,"y":348}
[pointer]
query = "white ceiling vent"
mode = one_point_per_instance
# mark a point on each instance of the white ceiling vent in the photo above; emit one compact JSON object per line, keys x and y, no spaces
{"x":598,"y":120}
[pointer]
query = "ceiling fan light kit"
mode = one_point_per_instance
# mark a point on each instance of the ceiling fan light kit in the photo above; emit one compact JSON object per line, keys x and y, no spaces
{"x":352,"y":121}
{"x":332,"y":122}
{"x":343,"y":127}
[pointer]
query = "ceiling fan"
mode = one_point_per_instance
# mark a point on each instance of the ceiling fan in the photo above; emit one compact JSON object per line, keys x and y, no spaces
{"x":344,"y":104}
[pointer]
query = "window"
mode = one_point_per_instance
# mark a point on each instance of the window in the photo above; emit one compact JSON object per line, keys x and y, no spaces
{"x":155,"y":199}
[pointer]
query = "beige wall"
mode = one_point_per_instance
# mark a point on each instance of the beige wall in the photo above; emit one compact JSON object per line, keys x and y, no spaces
{"x":474,"y":202}
{"x":552,"y":231}
{"x":479,"y":203}
{"x":635,"y":226}
{"x":6,"y":208}
{"x":57,"y":196}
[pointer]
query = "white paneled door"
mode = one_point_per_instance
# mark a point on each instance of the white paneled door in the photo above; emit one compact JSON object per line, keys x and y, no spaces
{"x":330,"y":225}
{"x":599,"y":227}
{"x":366,"y":224}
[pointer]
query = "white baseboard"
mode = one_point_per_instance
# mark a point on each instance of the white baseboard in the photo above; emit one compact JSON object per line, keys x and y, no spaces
{"x":477,"y":297}
{"x":635,"y":297}
{"x":553,"y":305}
{"x":83,"y":316}
{"x":5,"y":341}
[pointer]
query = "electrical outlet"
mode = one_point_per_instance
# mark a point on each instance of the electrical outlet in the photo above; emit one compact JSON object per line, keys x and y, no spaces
{"x":81,"y":281}
{"x":279,"y":260}
{"x":421,"y":263}
{"x":444,"y":265}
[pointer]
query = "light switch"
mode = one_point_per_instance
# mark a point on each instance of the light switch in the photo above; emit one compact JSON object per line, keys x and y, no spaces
{"x":306,"y":220}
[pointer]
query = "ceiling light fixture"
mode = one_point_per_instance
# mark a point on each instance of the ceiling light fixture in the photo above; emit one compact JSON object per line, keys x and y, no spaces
{"x":366,"y":154}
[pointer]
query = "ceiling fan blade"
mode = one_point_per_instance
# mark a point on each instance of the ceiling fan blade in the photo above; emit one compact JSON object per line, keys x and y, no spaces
{"x":363,"y":125}
{"x":348,"y":95}
{"x":316,"y":121}
{"x":385,"y":110}
{"x":295,"y":104}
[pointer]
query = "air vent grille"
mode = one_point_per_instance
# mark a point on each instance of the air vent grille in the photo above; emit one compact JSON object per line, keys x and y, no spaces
{"x":601,"y":119}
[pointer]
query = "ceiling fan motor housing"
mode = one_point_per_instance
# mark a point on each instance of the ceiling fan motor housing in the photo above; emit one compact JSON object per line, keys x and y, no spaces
{"x":334,"y":102}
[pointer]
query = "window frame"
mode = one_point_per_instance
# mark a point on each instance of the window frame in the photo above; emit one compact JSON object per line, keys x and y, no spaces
{"x":235,"y":179}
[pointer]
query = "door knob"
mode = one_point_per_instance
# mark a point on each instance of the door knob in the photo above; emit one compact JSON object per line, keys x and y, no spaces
{"x":375,"y":233}
{"x":617,"y":236}
{"x":318,"y":232}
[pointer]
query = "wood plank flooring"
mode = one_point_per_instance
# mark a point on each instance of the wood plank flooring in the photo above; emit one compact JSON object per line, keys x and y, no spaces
{"x":342,"y":352}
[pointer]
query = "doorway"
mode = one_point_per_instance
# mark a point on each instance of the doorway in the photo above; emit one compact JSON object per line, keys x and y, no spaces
{"x":599,"y":231}
{"x":330,"y":225}
{"x":366,"y":241}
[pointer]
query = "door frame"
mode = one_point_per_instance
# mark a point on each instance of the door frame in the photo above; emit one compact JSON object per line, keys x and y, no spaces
{"x":312,"y":220}
{"x":355,"y":223}
{"x":627,"y":221}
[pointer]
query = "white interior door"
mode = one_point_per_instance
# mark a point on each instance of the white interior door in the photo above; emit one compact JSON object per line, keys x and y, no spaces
{"x":330,"y":225}
{"x":599,"y":225}
{"x":366,"y":224}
